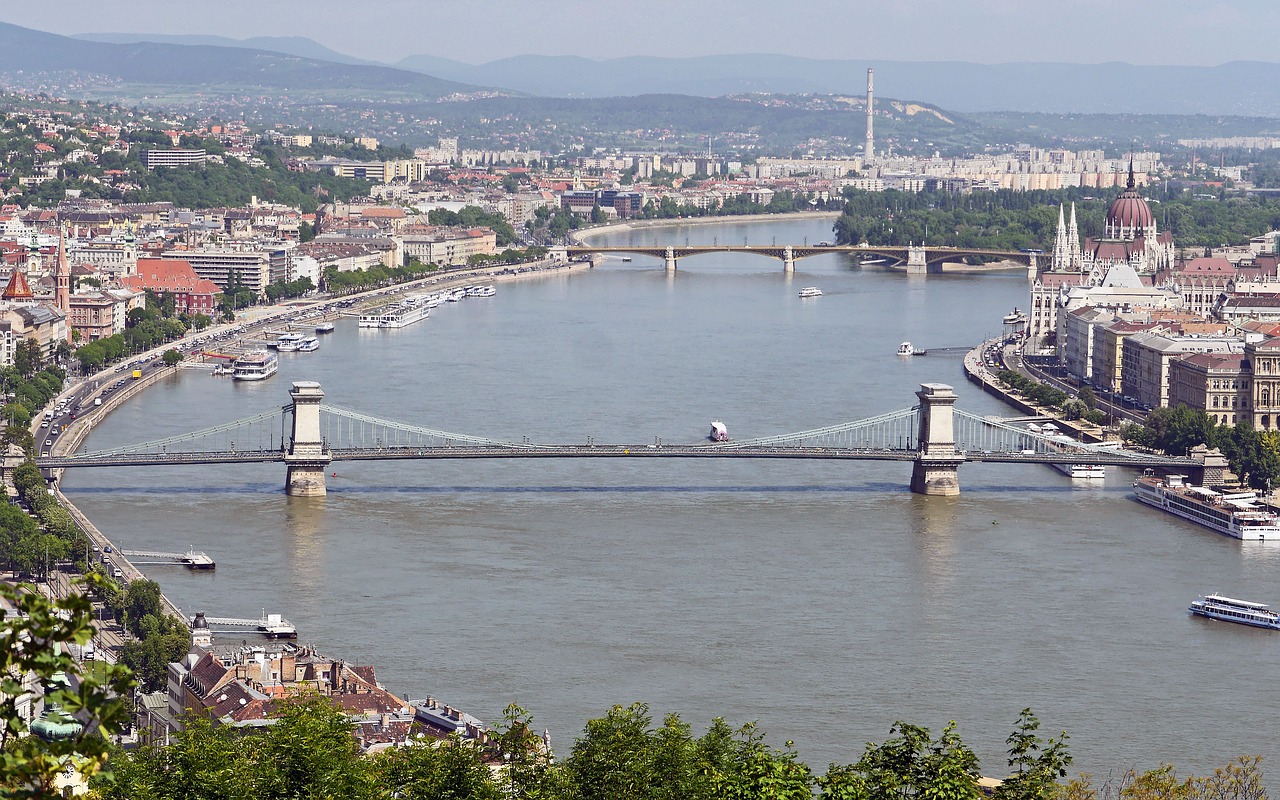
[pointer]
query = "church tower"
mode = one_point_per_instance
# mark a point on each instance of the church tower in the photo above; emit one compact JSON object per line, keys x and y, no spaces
{"x":62,"y":278}
{"x":34,"y":262}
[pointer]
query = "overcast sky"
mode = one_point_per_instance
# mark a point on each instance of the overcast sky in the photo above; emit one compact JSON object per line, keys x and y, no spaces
{"x":475,"y":31}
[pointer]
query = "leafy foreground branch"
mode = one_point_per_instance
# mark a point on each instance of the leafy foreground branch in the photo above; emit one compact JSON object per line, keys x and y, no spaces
{"x":81,"y":707}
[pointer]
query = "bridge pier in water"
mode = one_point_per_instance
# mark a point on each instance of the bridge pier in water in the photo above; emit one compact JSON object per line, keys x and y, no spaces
{"x":671,"y":259}
{"x":788,"y":260}
{"x":916,"y":263}
{"x":937,"y":463}
{"x":307,"y":459}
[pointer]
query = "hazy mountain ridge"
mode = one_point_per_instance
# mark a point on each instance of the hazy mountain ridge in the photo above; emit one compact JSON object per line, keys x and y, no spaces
{"x":30,"y":51}
{"x":1249,"y":88}
{"x":289,"y":45}
{"x":1245,"y":88}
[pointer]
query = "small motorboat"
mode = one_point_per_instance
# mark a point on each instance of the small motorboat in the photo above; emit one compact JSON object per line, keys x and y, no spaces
{"x":719,"y":433}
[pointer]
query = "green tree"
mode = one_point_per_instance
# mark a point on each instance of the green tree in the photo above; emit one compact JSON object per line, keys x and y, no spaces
{"x":141,"y":598}
{"x":172,"y":357}
{"x":612,"y":760}
{"x":33,"y":640}
{"x":1086,"y":395}
{"x":528,"y":768}
{"x":908,"y":764}
{"x":27,"y":357}
{"x":1039,"y":763}
{"x":163,"y":640}
{"x":453,"y":768}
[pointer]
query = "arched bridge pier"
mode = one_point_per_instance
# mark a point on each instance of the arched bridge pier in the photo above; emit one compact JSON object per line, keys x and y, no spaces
{"x":307,"y":435}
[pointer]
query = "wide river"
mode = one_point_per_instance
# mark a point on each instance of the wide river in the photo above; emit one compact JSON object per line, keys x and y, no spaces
{"x":822,"y":599}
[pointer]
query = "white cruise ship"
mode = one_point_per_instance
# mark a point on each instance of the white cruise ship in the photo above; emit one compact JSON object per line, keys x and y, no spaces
{"x":1235,"y":514}
{"x":397,"y":315}
{"x":256,"y":365}
{"x":481,"y":291}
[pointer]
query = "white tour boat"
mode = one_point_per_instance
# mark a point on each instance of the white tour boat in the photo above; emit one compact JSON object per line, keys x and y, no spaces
{"x":906,"y":349}
{"x":308,"y":345}
{"x":1235,"y":514}
{"x":325,"y":327}
{"x":719,"y":433}
{"x":1083,"y":472}
{"x":1062,"y":444}
{"x":256,"y":365}
{"x":811,"y":291}
{"x":288,"y":342}
{"x":481,"y":291}
{"x":1242,"y":612}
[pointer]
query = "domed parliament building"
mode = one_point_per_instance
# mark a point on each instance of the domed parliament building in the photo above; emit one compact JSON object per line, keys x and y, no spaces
{"x":1130,"y":252}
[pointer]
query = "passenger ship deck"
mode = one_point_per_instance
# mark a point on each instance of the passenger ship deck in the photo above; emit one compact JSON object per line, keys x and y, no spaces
{"x":1236,"y":514}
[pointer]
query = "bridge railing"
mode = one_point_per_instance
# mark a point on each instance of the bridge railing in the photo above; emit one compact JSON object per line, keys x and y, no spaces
{"x":897,"y":430}
{"x":346,"y":429}
{"x":984,"y":434}
{"x":261,"y":432}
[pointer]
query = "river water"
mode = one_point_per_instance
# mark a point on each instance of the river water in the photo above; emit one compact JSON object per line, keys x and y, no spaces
{"x":823,"y":600}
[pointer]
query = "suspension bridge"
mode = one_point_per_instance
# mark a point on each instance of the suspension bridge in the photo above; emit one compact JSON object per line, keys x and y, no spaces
{"x":307,"y":435}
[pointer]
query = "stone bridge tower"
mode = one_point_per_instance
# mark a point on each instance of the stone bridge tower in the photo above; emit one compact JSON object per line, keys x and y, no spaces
{"x":937,"y":462}
{"x":307,"y":457}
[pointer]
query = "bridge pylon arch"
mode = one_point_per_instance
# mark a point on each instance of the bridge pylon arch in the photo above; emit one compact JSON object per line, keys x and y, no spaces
{"x":307,"y":458}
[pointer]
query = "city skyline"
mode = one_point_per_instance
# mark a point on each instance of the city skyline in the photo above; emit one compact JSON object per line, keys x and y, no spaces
{"x":1177,"y":32}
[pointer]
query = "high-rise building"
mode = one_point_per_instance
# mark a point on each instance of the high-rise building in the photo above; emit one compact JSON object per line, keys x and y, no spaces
{"x":869,"y":151}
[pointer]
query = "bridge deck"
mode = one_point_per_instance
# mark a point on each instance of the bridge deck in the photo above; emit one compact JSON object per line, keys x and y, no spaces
{"x":1099,"y":457}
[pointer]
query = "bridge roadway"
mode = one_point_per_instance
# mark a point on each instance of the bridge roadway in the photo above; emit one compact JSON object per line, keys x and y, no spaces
{"x":464,"y":452}
{"x":932,"y":254}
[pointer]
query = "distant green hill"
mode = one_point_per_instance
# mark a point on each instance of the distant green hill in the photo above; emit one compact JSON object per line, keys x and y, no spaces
{"x":1249,"y":88}
{"x":232,"y":68}
{"x":290,"y":45}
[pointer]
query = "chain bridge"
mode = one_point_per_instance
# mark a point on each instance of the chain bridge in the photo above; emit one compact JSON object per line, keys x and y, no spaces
{"x":307,"y":435}
{"x":919,"y":259}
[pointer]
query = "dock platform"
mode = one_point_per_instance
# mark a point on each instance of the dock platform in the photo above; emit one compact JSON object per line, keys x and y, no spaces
{"x":189,"y":559}
{"x":273,"y":626}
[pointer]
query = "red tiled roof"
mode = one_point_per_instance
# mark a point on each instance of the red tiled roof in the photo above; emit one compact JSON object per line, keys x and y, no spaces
{"x":384,"y":212}
{"x":18,"y":289}
{"x":207,"y":672}
{"x":1054,"y":279}
{"x":1208,"y":266}
{"x":1216,"y":360}
{"x":168,"y":275}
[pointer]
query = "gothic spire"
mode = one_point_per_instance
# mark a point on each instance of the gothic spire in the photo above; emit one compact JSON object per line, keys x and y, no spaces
{"x":1073,"y":241}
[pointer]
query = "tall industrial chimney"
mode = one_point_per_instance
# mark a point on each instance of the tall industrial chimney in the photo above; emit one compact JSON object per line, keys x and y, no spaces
{"x":869,"y":151}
